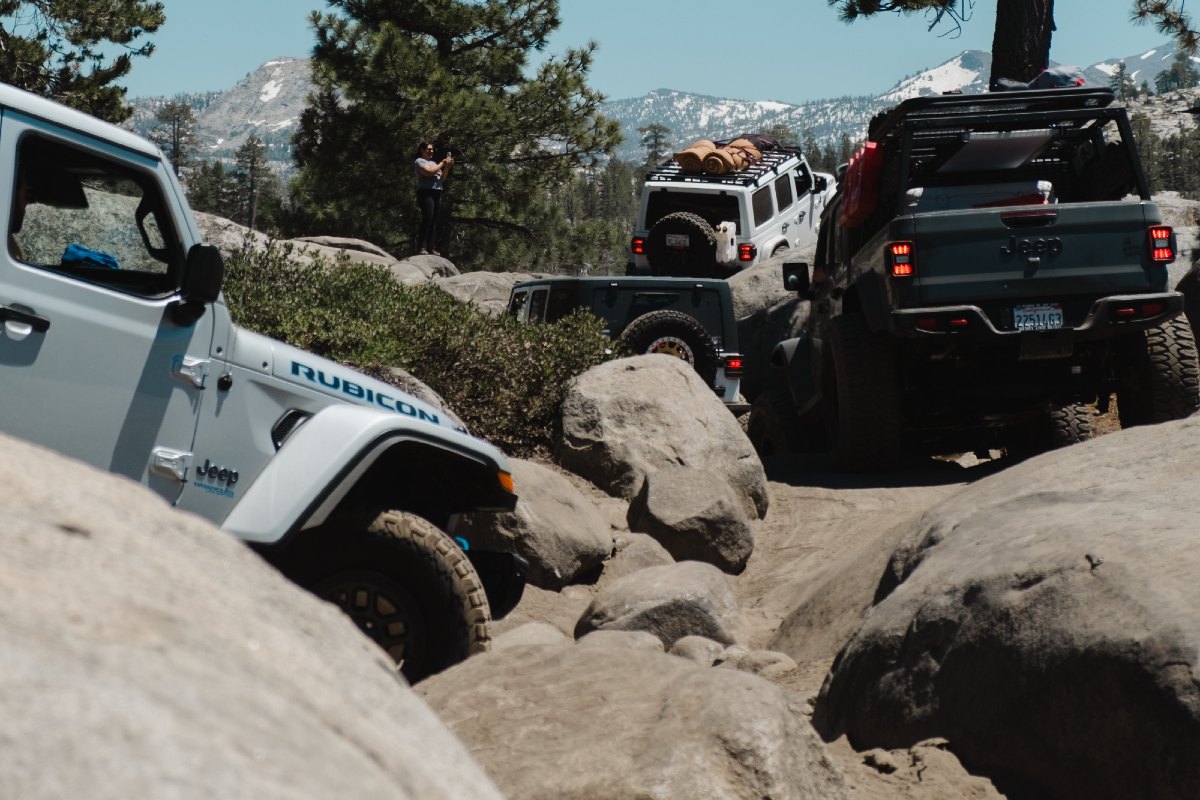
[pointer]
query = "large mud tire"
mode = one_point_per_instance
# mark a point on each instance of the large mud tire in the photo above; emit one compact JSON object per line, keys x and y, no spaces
{"x":1158,"y":374}
{"x":774,"y":428}
{"x":862,"y":398}
{"x":407,"y":585}
{"x":1053,"y":428}
{"x":674,"y":333}
{"x":697,"y":260}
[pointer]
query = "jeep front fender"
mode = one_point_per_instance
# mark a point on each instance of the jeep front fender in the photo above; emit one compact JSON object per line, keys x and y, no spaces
{"x":795,"y":356}
{"x":327,"y":456}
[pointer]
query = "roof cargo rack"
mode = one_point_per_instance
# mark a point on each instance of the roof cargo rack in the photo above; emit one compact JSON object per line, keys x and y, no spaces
{"x":771,"y":165}
{"x":991,"y":107}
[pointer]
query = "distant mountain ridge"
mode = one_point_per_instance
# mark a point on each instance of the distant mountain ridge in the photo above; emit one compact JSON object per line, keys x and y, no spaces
{"x":268,"y":103}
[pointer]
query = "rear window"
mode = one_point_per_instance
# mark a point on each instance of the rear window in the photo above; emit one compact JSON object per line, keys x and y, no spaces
{"x":713,"y":208}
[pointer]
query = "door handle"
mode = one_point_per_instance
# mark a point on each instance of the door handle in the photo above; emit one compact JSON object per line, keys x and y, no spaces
{"x":23,"y":317}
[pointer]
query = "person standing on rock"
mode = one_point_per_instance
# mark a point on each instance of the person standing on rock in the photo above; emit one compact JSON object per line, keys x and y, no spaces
{"x":431,"y":177}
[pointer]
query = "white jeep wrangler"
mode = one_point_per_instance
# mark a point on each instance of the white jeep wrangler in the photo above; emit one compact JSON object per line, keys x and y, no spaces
{"x":117,"y":348}
{"x":694,"y":224}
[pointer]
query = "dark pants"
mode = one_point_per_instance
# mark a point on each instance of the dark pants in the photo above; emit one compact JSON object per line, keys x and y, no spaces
{"x":430,"y":201}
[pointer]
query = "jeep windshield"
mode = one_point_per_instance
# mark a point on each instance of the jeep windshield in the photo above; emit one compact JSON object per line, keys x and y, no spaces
{"x":714,"y":208}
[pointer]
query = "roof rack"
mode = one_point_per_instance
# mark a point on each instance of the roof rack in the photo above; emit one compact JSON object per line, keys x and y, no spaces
{"x":935,"y":111}
{"x":772,"y":161}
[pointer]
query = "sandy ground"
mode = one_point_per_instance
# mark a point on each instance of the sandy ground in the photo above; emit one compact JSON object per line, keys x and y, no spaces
{"x":818,"y":557}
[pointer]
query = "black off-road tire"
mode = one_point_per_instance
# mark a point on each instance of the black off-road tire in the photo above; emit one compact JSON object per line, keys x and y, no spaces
{"x":406,"y":584}
{"x":677,"y":334}
{"x":1052,"y":428}
{"x":862,"y":398}
{"x":1158,"y":374}
{"x":774,"y":427}
{"x":697,"y":260}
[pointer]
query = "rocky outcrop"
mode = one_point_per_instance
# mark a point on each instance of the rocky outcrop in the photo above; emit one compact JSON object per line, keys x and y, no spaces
{"x":148,"y":654}
{"x":554,"y":527}
{"x":1043,"y":620}
{"x":695,"y":515}
{"x":686,"y":599}
{"x":488,"y":291}
{"x":626,"y":418}
{"x":604,"y":721}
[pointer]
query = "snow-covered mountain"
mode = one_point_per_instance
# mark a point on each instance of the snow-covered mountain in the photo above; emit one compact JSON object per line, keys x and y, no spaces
{"x":268,"y":103}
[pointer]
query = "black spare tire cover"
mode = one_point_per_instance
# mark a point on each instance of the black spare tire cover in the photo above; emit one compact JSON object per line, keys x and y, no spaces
{"x":682,"y":245}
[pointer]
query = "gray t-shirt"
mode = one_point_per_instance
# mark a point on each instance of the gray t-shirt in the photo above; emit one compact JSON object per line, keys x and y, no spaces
{"x":427,"y":181}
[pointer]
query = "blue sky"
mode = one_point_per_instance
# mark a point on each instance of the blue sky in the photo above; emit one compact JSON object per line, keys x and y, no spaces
{"x":785,"y":50}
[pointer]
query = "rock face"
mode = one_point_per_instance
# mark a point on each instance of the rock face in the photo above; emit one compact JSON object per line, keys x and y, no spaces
{"x":626,"y":418}
{"x":1044,"y":621}
{"x":148,"y":654}
{"x":687,"y":599}
{"x":695,"y":515}
{"x":554,"y":527}
{"x":610,"y":723}
{"x":488,"y":291}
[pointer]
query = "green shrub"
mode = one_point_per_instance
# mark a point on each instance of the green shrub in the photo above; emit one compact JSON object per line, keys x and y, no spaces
{"x":506,"y":380}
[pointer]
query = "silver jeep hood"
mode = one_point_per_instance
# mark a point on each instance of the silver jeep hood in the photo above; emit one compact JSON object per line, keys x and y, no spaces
{"x":340,"y":383}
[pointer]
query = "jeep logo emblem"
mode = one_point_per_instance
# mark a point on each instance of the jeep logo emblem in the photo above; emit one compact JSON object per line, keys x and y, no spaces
{"x":214,"y":473}
{"x":1049,"y":246}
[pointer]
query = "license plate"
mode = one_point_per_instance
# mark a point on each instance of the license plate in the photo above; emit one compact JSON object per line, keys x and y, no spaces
{"x":1038,"y":317}
{"x":677,"y":240}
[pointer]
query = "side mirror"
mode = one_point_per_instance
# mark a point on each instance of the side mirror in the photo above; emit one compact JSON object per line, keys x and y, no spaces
{"x":203,"y":275}
{"x":795,"y":278}
{"x":822,"y":183}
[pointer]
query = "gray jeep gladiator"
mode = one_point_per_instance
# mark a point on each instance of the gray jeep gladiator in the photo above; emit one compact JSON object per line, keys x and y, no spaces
{"x":117,"y":348}
{"x":991,"y":265}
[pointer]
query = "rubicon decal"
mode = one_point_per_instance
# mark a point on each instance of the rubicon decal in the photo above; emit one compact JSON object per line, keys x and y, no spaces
{"x":361,"y":393}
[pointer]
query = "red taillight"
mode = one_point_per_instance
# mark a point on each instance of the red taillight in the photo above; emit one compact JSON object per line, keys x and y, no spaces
{"x":1131,"y":313}
{"x":638,"y":245}
{"x":900,"y":259}
{"x":1162,"y":243}
{"x":733,"y":366}
{"x":747,"y":252}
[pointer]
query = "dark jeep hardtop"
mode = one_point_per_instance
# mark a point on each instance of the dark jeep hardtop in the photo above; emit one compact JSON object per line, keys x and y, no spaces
{"x":991,"y":264}
{"x":691,"y":318}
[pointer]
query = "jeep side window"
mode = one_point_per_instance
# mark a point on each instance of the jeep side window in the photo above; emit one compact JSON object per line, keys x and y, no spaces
{"x":93,"y":219}
{"x":783,"y":192}
{"x":804,"y":180}
{"x":537,"y":305}
{"x":516,"y":303}
{"x":763,"y":210}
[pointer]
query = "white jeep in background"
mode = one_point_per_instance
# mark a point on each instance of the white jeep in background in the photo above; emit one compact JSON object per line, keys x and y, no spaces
{"x":117,"y":348}
{"x":693,"y":224}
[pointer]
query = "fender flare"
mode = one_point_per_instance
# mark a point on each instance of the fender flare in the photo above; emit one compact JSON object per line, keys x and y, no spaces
{"x":795,"y":357}
{"x":325,"y":457}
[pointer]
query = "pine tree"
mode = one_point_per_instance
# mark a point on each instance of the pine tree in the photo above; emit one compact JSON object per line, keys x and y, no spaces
{"x":655,"y":142}
{"x":1121,"y":82}
{"x":174,"y":133}
{"x":1021,"y":41}
{"x":62,"y":49}
{"x":782,"y":133}
{"x":257,"y":187}
{"x":389,"y":75}
{"x":213,"y":189}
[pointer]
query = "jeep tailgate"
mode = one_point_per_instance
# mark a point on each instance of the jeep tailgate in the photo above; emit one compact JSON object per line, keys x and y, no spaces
{"x":1053,"y":252}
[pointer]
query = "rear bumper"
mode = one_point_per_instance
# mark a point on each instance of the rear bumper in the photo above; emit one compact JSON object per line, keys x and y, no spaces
{"x":1108,"y":317}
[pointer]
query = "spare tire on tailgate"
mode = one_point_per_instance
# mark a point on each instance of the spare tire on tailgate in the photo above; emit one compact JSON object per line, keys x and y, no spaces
{"x":676,"y":334}
{"x":682,"y":245}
